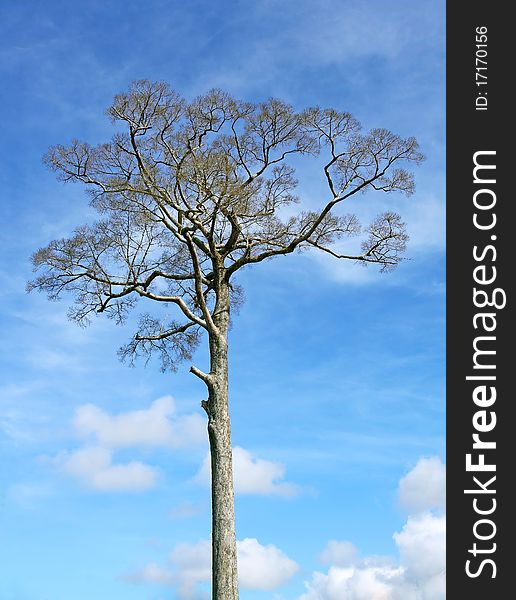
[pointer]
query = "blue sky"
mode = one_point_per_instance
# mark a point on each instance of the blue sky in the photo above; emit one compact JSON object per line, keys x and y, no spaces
{"x":337,"y":372}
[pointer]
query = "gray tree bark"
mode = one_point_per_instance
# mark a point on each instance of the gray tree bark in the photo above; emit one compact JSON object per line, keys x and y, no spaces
{"x":224,"y":550}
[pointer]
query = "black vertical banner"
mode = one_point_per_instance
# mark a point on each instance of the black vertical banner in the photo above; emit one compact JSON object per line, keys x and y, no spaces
{"x":481,"y":240}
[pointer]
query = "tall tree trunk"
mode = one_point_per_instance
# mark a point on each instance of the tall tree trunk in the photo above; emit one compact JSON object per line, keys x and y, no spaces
{"x":224,"y":552}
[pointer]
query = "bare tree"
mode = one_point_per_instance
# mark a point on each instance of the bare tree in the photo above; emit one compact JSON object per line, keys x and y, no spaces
{"x":191,"y":192}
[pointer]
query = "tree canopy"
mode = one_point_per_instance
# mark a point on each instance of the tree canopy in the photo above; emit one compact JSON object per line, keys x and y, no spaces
{"x":188,"y":193}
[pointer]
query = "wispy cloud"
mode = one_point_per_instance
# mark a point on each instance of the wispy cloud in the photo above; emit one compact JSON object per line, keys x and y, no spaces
{"x":294,"y":36}
{"x":185,"y":510}
{"x":21,"y":416}
{"x":29,"y":494}
{"x":424,"y":216}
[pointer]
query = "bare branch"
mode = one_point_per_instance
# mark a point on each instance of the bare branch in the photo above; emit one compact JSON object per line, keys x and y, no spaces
{"x":385,"y":244}
{"x":173,"y":343}
{"x":201,"y":375}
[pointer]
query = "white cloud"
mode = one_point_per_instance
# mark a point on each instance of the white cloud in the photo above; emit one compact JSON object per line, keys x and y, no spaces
{"x":263,"y":567}
{"x":424,"y":487}
{"x":155,"y":426}
{"x":352,"y":583}
{"x":94,"y":468}
{"x":421,"y":545}
{"x":253,"y":475}
{"x":192,"y":565}
{"x":259,"y":568}
{"x":419,"y":576}
{"x":341,"y":554}
{"x":189,"y":566}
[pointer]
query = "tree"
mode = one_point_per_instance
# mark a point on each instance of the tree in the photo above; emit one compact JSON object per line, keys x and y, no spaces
{"x":189,"y":193}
